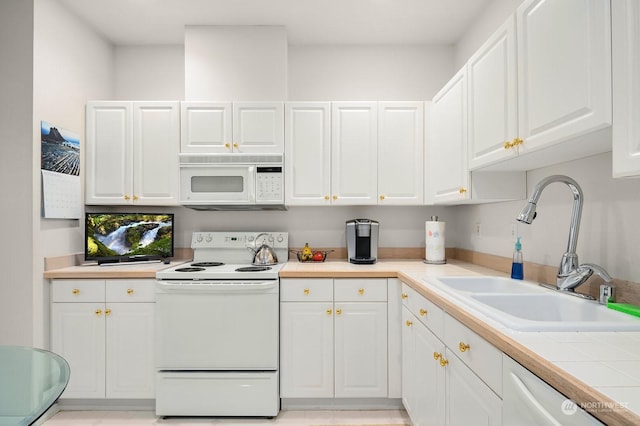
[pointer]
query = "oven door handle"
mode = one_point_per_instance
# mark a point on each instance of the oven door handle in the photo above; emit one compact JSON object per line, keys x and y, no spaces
{"x":215,"y":286}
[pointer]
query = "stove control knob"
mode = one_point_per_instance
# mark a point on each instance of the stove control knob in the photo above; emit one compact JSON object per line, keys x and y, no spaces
{"x":250,"y":238}
{"x":280,"y":238}
{"x":209,"y":238}
{"x":270,"y":238}
{"x":199,"y":238}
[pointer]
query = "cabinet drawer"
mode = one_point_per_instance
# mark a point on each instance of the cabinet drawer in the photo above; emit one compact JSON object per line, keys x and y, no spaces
{"x":77,"y":291}
{"x":130,"y":290}
{"x":306,"y":290}
{"x":360,"y":290}
{"x":482,"y":357}
{"x":428,"y":313}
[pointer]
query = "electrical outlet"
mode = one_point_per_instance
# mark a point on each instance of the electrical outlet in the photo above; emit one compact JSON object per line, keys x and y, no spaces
{"x":478,"y":229}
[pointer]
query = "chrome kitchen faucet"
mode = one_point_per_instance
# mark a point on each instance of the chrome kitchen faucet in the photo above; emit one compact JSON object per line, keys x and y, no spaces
{"x":570,"y":274}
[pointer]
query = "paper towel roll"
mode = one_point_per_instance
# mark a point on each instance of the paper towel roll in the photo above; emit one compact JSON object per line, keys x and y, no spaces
{"x":434,"y":238}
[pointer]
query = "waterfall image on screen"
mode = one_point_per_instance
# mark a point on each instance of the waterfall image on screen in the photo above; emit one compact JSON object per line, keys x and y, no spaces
{"x":123,"y":235}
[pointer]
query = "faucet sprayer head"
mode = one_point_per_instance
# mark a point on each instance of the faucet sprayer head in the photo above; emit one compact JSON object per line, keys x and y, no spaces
{"x":527,"y":214}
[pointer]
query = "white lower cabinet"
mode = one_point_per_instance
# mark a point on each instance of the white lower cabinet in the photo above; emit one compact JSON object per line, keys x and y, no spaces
{"x":333,"y":338}
{"x":438,"y":386}
{"x":530,"y":401}
{"x":105,"y":331}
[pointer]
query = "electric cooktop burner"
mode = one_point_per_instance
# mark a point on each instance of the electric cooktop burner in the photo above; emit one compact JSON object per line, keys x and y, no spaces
{"x":189,"y":269}
{"x":207,"y":264}
{"x":253,"y":268}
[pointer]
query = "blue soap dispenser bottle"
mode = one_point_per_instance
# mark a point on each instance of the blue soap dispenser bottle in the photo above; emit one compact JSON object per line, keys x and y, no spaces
{"x":517,"y":268}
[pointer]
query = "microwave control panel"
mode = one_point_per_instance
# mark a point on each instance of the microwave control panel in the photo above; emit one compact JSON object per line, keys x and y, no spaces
{"x":269,"y":185}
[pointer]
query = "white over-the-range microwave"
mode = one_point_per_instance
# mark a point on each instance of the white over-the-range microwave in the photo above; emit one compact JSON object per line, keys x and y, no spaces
{"x":232,"y":181}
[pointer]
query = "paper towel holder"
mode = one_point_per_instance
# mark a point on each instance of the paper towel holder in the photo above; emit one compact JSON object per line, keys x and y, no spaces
{"x":430,"y":261}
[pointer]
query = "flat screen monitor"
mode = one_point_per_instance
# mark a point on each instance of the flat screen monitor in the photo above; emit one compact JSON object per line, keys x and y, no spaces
{"x":127,"y":237}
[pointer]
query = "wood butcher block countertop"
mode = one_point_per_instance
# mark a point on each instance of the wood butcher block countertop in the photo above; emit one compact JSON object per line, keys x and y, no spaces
{"x":599,"y":370}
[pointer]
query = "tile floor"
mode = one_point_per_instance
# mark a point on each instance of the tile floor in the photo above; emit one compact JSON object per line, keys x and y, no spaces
{"x":289,"y":418}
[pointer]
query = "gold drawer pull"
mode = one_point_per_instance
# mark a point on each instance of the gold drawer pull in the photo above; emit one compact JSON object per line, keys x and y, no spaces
{"x":329,"y":311}
{"x":409,"y":323}
{"x":306,"y":291}
{"x":129,"y":291}
{"x":404,"y":296}
{"x":127,"y":198}
{"x":437,"y":355}
{"x":517,"y":141}
{"x":75,"y":291}
{"x":326,"y":197}
{"x":443,"y":362}
{"x":98,"y":312}
{"x":338,"y":311}
{"x":361,"y":291}
{"x":235,"y":145}
{"x":107,"y":312}
{"x":382,"y":198}
{"x":226,"y":145}
{"x":508,"y":145}
{"x":335,"y":197}
{"x":423,"y":312}
{"x":463,"y":347}
{"x":462,"y":190}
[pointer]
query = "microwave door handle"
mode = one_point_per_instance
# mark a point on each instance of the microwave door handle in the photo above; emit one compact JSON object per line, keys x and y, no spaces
{"x":253,"y":177}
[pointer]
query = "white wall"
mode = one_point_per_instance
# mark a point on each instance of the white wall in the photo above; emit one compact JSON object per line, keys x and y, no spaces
{"x":149,"y":73}
{"x":379,"y":73}
{"x":16,"y":178}
{"x":71,"y":65}
{"x":235,"y":63}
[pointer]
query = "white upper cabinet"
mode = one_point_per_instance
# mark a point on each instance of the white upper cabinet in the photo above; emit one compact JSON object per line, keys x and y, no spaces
{"x":626,"y":87}
{"x":132,"y":153}
{"x":224,"y":127}
{"x":206,"y":127}
{"x":308,"y":153}
{"x":354,"y":153}
{"x":564,"y":80}
{"x":535,"y":99}
{"x":492,"y":94}
{"x":447,"y":142}
{"x":400,"y":153}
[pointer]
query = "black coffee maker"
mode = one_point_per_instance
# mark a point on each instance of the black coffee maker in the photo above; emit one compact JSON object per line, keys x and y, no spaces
{"x":362,"y":241}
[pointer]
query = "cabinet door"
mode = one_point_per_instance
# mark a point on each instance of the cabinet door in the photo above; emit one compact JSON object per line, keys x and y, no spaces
{"x":447,"y":151}
{"x":354,"y":153}
{"x":306,"y":350}
{"x":206,"y":127}
{"x":308,"y":153}
{"x":258,"y":127}
{"x":78,"y":335}
{"x":429,"y":377}
{"x":626,"y":87}
{"x":492,"y":90}
{"x":360,"y":349}
{"x":156,"y":142}
{"x":564,"y":81}
{"x":468,"y":399}
{"x":400,"y":153}
{"x":109,"y":172}
{"x":409,"y":379}
{"x":130,"y":363}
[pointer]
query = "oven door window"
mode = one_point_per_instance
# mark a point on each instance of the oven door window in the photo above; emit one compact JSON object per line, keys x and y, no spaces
{"x":217,"y":184}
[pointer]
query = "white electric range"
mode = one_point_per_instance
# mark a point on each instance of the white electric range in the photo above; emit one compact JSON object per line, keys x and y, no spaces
{"x":217,"y":328}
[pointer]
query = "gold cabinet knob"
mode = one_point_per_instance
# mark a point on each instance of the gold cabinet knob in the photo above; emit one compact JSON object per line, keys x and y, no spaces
{"x":327,"y":198}
{"x":404,"y":296}
{"x":107,"y":312}
{"x":517,"y":142}
{"x":437,"y":355}
{"x":129,"y":291}
{"x":508,"y":145}
{"x":463,"y":347}
{"x":443,"y":362}
{"x":338,"y":311}
{"x":462,"y":190}
{"x":335,"y":197}
{"x":409,"y":323}
{"x":226,"y":145}
{"x":98,"y":312}
{"x":329,"y":311}
{"x":235,"y":145}
{"x":382,"y":198}
{"x":75,"y":291}
{"x":127,"y":198}
{"x":135,"y":198}
{"x":306,"y":291}
{"x":423,"y":312}
{"x":361,"y":291}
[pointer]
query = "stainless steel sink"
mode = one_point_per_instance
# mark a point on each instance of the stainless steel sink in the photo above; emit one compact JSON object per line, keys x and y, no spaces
{"x":525,"y":306}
